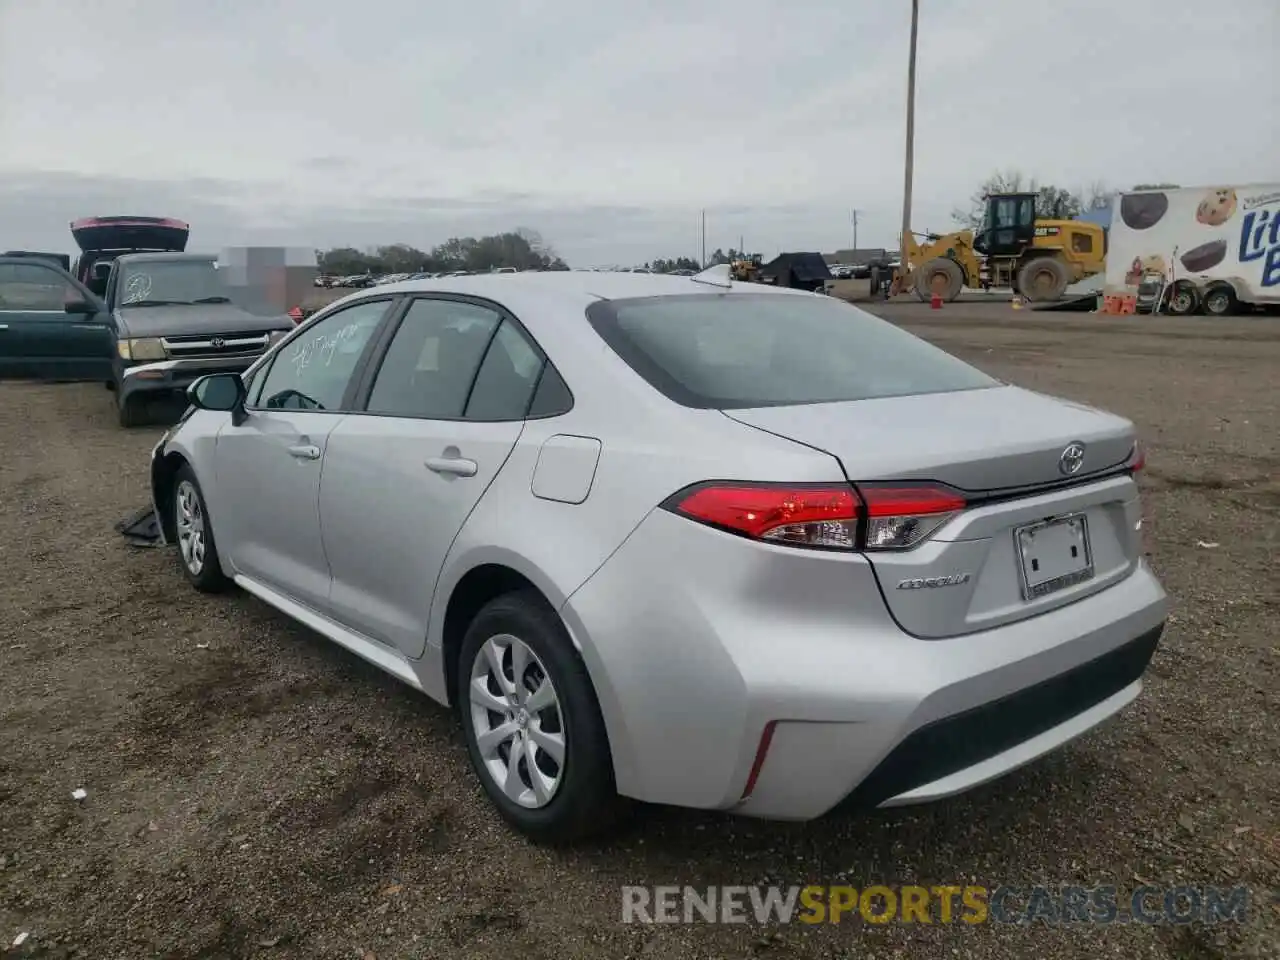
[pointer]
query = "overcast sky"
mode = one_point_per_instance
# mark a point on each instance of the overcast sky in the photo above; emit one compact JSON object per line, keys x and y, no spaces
{"x":607,"y":126}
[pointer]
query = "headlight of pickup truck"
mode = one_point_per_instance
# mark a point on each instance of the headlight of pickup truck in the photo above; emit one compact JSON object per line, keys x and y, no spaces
{"x":146,"y":348}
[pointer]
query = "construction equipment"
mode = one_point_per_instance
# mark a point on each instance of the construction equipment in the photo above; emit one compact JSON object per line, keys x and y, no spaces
{"x":1036,"y":259}
{"x":746,"y":269}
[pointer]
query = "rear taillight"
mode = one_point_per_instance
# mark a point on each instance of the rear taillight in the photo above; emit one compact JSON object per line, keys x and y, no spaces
{"x":900,"y":516}
{"x":828,"y":516}
{"x":802,"y":515}
{"x":1138,"y":458}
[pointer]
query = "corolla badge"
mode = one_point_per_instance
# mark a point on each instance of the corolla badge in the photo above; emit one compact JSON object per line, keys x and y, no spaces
{"x":928,"y":583}
{"x":1071,"y":459}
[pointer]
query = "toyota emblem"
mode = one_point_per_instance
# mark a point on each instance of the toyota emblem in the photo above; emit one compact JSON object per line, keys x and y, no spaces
{"x":218,"y":343}
{"x":1071,"y":459}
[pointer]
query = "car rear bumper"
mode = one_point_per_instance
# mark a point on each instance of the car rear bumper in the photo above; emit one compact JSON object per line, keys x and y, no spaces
{"x":174,"y":376}
{"x":699,"y":642}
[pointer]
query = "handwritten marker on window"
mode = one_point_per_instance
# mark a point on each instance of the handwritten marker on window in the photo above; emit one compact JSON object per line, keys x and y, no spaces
{"x":79,"y":793}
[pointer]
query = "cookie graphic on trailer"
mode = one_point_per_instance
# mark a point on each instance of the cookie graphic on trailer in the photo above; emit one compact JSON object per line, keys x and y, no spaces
{"x":1216,"y":208}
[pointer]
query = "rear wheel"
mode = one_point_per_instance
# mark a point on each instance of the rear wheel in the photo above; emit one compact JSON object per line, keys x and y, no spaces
{"x":1220,"y":302}
{"x":532,"y":723}
{"x":1182,"y":300}
{"x":941,"y":276}
{"x":1043,"y":279}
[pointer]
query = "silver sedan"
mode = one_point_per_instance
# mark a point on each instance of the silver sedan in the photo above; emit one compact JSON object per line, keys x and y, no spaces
{"x":677,"y":540}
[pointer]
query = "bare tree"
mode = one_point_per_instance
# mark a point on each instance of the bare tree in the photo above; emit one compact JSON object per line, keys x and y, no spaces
{"x":1002,"y":181}
{"x":1097,"y":196}
{"x":1051,"y":202}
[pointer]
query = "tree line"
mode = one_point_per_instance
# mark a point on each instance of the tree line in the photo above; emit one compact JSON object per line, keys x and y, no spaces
{"x":522,"y":249}
{"x":1052,"y":201}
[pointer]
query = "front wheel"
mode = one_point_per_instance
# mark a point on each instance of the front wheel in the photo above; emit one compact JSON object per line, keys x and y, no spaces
{"x":941,"y":276}
{"x":197,"y":551}
{"x":532,"y":723}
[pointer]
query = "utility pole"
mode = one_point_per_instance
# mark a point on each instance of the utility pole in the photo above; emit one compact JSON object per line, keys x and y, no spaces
{"x":704,"y":239}
{"x":853,"y":215}
{"x":911,"y":147}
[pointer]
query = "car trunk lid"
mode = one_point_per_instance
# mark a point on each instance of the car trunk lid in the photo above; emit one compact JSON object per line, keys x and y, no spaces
{"x":1005,"y":450}
{"x":130,"y":233}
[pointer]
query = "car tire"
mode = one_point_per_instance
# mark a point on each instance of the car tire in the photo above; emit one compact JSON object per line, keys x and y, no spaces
{"x":129,"y":410}
{"x":197,"y":550}
{"x":573,"y":799}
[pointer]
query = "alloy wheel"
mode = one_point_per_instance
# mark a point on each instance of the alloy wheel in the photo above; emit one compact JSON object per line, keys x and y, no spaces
{"x":189,"y":520}
{"x":517,"y":721}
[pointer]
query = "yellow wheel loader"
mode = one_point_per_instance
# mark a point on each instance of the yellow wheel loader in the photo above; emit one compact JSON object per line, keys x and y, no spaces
{"x":746,"y":270}
{"x":1036,"y":259}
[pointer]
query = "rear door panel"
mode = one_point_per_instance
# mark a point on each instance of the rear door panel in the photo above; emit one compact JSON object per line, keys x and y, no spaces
{"x":389,"y":519}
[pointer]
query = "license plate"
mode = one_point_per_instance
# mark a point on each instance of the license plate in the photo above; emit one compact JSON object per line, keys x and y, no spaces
{"x":1053,"y":555}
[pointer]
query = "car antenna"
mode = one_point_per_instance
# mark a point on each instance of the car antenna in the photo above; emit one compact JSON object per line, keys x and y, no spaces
{"x":716,"y":276}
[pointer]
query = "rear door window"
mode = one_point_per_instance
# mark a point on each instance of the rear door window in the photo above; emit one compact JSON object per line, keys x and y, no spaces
{"x":432,"y":361}
{"x":740,"y":350}
{"x":507,"y":378}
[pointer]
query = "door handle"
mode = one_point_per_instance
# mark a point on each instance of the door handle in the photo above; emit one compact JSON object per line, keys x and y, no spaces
{"x":305,"y":451}
{"x":456,"y":466}
{"x":4,"y":326}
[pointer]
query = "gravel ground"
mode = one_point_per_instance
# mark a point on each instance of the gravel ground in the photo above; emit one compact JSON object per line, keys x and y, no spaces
{"x":253,"y":791}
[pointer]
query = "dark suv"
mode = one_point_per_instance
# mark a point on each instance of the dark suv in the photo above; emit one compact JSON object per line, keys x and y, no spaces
{"x":140,"y":314}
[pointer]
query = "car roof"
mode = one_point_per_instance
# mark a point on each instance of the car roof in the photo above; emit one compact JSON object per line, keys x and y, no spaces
{"x":579,"y":288}
{"x":161,"y":256}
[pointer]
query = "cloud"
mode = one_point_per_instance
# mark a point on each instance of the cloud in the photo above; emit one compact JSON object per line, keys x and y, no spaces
{"x":606,"y":128}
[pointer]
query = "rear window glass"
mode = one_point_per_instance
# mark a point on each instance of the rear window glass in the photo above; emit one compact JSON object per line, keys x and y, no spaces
{"x":738,"y":350}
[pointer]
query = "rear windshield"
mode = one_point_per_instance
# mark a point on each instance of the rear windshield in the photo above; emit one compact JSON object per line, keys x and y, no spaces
{"x":737,"y":350}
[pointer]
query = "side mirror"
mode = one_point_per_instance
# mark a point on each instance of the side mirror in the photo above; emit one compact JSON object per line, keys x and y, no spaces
{"x":218,"y":391}
{"x":81,"y":308}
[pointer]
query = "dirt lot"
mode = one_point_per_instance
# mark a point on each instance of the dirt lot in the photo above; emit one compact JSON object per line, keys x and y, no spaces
{"x":256,"y":792}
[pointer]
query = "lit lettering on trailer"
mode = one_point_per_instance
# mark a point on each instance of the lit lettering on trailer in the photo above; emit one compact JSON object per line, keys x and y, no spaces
{"x":1260,"y":240}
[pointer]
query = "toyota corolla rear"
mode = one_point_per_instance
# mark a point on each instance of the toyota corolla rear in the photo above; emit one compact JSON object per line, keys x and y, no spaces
{"x":965,"y":594}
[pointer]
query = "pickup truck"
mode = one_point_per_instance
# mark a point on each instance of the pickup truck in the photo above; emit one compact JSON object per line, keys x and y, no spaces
{"x":145,"y":324}
{"x":173,"y":323}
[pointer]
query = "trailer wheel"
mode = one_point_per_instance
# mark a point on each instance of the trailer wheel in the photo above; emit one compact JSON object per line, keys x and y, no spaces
{"x":1183,"y":299}
{"x":942,"y":276}
{"x":1042,"y":279}
{"x":1220,"y":301}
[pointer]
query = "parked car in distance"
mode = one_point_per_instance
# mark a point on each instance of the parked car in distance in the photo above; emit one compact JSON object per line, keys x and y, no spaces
{"x":174,"y":321}
{"x":51,"y":326}
{"x":651,"y":544}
